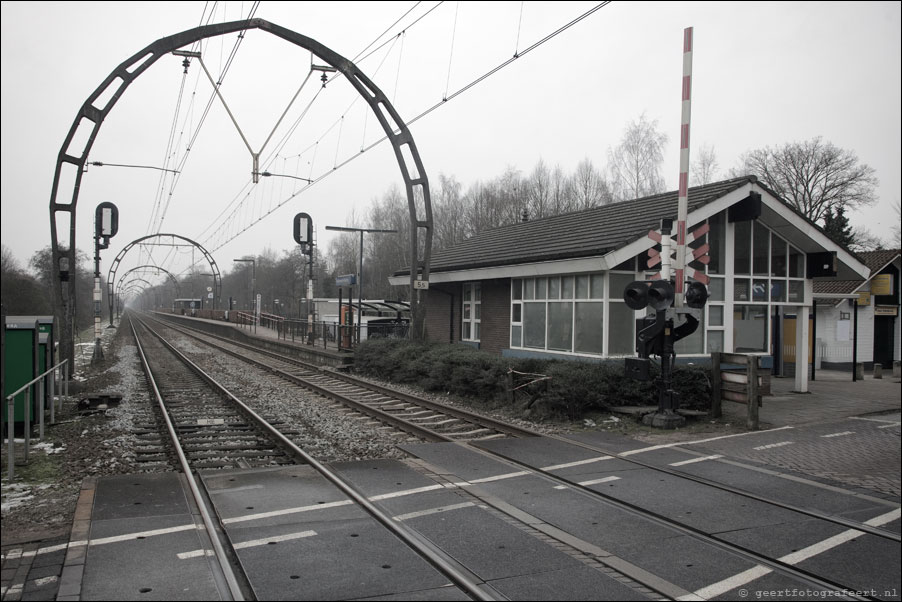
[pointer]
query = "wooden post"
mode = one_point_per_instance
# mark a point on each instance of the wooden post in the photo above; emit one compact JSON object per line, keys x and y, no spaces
{"x":716,"y":389}
{"x":752,"y":371}
{"x":510,"y":386}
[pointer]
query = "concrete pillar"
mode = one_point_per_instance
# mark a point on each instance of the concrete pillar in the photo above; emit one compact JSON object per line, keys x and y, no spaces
{"x":802,"y":330}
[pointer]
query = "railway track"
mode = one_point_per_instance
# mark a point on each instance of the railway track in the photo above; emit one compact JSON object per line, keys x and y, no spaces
{"x":394,"y":407}
{"x":214,"y":429}
{"x":420,"y":417}
{"x":203,"y":423}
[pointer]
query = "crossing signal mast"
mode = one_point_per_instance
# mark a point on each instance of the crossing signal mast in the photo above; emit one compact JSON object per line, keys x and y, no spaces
{"x":675,"y":302}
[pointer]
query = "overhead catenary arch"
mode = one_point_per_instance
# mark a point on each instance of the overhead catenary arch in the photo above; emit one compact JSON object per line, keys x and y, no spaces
{"x":91,"y":116}
{"x":146,"y":267}
{"x":114,"y":267}
{"x":135,"y":269}
{"x":135,"y":288}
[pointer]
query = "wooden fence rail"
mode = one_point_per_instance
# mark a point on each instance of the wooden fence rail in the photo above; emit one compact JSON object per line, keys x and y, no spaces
{"x":739,"y":386}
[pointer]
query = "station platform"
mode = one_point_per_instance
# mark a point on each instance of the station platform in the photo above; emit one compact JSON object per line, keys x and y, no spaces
{"x":324,"y":352}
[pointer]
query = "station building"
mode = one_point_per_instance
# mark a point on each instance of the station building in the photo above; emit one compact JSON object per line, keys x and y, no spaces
{"x":857,"y":321}
{"x":553,"y":287}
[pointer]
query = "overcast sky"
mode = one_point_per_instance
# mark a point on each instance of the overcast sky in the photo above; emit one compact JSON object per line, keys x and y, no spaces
{"x":764,"y":74}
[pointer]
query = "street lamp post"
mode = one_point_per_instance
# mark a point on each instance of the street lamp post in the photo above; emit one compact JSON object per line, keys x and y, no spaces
{"x":253,"y":263}
{"x":360,"y":273}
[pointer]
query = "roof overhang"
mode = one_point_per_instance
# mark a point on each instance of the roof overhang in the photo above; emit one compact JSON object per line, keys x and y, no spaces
{"x":775,"y":214}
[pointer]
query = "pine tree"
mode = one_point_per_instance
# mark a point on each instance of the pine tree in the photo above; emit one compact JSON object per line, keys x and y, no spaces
{"x":837,"y":227}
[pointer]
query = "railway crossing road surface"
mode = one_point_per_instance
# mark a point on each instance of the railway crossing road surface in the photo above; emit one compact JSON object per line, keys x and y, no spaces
{"x":521,"y":535}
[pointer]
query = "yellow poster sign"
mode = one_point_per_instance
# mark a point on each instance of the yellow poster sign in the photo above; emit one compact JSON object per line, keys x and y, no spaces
{"x":882,"y":284}
{"x":864,"y":299}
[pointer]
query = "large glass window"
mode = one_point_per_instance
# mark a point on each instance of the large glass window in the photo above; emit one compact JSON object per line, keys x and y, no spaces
{"x":750,"y":327}
{"x":559,"y":313}
{"x":778,"y":267}
{"x":761,"y":250}
{"x":560,"y":326}
{"x":622,"y":328}
{"x":534,"y":325}
{"x":717,"y":241}
{"x":589,"y":333}
{"x":742,"y":256}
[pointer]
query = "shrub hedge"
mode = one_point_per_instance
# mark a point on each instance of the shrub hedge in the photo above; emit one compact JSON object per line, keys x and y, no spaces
{"x":572,"y":389}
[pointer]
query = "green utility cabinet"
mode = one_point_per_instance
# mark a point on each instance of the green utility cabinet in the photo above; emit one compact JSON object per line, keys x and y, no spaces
{"x":46,"y":326}
{"x":21,"y":362}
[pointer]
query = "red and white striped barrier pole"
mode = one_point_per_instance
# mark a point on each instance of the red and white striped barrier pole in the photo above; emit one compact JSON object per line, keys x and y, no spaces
{"x":683,"y":200}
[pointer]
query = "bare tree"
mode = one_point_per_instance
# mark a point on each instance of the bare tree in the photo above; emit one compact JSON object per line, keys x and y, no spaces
{"x":588,"y":186}
{"x":812,"y":176}
{"x":449,"y":211}
{"x":897,"y":229}
{"x":635,"y":165}
{"x":538,"y":191}
{"x":863,"y":240}
{"x":704,"y":166}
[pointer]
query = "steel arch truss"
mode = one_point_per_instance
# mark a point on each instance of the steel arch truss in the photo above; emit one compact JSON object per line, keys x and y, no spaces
{"x":111,"y":276}
{"x":135,"y":269}
{"x":99,"y":104}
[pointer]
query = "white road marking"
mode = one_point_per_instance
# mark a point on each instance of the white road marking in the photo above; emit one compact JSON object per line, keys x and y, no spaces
{"x":694,"y":460}
{"x":892,"y":422}
{"x":408,"y":516}
{"x":773,"y":445}
{"x":578,"y":463}
{"x":254,"y":543}
{"x":262,"y":515}
{"x":388,"y":496}
{"x":234,"y":489}
{"x":668,"y":445}
{"x":501,"y":477}
{"x":592,"y":482}
{"x":842,"y":434}
{"x":722,"y":587}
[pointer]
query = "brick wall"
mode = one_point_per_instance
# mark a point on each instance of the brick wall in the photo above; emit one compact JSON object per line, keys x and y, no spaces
{"x":496,"y":315}
{"x":440,"y":300}
{"x":495,"y":312}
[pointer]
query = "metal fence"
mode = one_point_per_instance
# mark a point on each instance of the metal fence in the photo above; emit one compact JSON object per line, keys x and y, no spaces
{"x":34,"y":390}
{"x":340,"y":336}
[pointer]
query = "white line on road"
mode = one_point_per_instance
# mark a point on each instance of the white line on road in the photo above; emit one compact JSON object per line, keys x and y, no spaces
{"x":772,"y":445}
{"x":402,"y":517}
{"x":842,"y":434}
{"x":669,"y":445}
{"x":694,"y":460}
{"x":745,"y":577}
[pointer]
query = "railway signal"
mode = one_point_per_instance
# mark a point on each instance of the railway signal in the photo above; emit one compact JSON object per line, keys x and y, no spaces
{"x":106,"y":225}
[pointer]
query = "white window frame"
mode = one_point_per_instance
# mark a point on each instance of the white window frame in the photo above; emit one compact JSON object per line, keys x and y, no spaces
{"x":474,"y":302}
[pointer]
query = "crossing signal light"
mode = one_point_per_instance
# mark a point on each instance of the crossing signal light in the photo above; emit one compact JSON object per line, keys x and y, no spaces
{"x":640,"y":294}
{"x":696,"y":295}
{"x":636,"y":294}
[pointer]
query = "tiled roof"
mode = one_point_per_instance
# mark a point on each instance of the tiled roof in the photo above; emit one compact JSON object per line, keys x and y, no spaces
{"x":875,"y":260}
{"x":580,"y":234}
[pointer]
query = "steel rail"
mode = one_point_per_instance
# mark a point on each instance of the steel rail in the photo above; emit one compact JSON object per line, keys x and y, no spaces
{"x":219,"y":551}
{"x":521,"y":432}
{"x":425,"y":433}
{"x":660,"y":519}
{"x":400,"y":531}
{"x":884,"y":533}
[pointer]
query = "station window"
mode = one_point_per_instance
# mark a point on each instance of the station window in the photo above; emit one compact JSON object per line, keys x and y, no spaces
{"x":566,"y":314}
{"x":776,"y":267}
{"x":471,"y":312}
